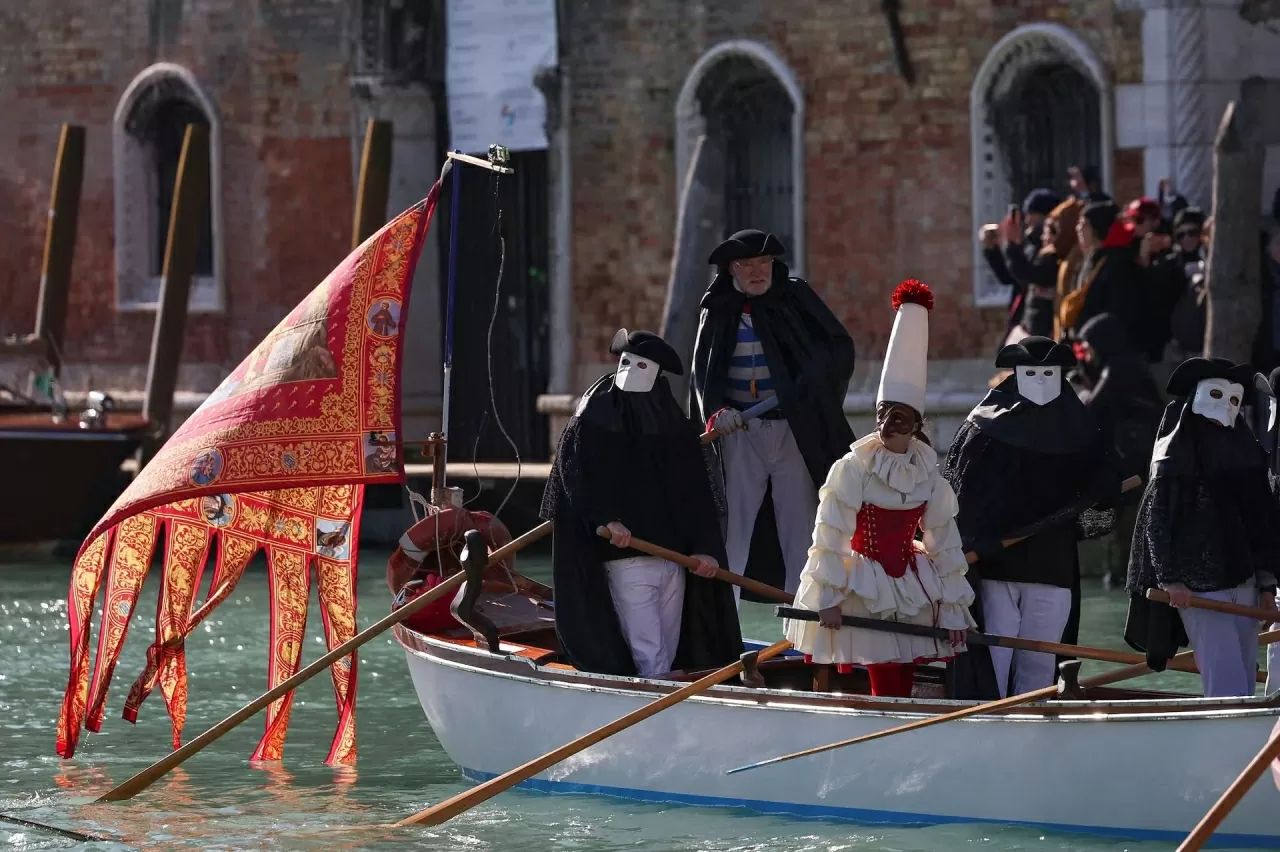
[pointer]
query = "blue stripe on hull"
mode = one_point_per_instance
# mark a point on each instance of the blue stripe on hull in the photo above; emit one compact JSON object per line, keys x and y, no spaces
{"x":870,"y":817}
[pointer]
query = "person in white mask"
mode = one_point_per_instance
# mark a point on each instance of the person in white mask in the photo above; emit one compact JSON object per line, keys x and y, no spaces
{"x":630,"y":462}
{"x":1027,"y":451}
{"x":1207,"y":526}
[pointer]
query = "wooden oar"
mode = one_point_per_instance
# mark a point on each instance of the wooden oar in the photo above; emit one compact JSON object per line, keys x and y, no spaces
{"x":1058,"y":517}
{"x":973,"y":637}
{"x":979,"y":709}
{"x":155,"y":771}
{"x":762,"y":589}
{"x":464,"y":801}
{"x":747,"y":414}
{"x":1257,"y":613}
{"x":1239,"y":788}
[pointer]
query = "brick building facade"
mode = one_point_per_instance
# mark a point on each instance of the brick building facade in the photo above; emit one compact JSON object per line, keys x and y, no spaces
{"x":890,"y":179}
{"x":285,"y":88}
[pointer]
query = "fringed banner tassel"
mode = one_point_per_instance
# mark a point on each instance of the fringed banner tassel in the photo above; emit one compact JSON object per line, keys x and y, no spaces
{"x":338,"y":607}
{"x":86,"y":576}
{"x":186,"y":550}
{"x":290,"y":591}
{"x":130,"y":559}
{"x":234,"y":555}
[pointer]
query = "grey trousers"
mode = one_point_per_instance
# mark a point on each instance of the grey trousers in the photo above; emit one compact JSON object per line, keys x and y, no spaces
{"x":1225,"y":646}
{"x":764,"y":453}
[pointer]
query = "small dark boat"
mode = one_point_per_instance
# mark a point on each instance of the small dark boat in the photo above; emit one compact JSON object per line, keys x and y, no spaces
{"x":61,"y":472}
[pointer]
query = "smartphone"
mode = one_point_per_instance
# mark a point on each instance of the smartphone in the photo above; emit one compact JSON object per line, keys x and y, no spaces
{"x":1013,"y":210}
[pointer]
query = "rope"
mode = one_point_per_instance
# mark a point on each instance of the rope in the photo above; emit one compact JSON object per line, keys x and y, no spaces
{"x":73,"y":835}
{"x":493,"y":403}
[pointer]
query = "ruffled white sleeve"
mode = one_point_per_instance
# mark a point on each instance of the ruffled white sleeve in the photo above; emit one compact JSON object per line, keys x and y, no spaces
{"x":942,"y":545}
{"x":830,"y":555}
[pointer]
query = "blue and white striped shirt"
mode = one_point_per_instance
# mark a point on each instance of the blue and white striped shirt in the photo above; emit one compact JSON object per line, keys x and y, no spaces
{"x":749,"y":379}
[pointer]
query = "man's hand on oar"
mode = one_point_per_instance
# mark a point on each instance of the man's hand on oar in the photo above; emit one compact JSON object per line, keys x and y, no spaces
{"x":1185,"y":600}
{"x":692,"y":563}
{"x":738,"y":420}
{"x":155,"y":771}
{"x":990,"y":707}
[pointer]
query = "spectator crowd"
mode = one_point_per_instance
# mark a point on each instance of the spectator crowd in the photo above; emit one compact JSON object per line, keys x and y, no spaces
{"x":1126,"y":287}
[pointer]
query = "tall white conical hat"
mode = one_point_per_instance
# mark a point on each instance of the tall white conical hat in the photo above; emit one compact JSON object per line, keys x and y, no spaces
{"x":905,"y":372}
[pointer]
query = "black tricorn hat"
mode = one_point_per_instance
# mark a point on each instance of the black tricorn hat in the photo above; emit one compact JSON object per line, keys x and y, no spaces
{"x":745,"y":244}
{"x":649,"y":346}
{"x":1035,"y":352}
{"x":1193,"y":371}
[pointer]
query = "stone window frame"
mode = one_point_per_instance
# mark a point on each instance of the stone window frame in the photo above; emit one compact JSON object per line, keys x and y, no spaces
{"x":690,"y":124}
{"x":990,"y":198}
{"x":135,"y":202}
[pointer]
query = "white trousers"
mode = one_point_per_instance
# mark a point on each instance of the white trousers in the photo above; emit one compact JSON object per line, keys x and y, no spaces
{"x":1026,"y":611}
{"x":1225,"y":646}
{"x":648,"y":595}
{"x":763,"y":453}
{"x":1273,"y":667}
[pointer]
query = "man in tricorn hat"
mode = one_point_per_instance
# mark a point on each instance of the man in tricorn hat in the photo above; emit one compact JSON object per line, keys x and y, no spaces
{"x":630,"y":461}
{"x":763,"y":333}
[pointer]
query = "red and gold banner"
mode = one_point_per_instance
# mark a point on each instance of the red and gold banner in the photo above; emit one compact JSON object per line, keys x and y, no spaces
{"x":274,"y":461}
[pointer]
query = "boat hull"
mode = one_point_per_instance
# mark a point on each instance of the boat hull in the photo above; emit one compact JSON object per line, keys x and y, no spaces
{"x":60,"y":478}
{"x":1141,"y":776}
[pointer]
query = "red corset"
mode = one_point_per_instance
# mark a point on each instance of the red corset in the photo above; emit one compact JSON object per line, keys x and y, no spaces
{"x":886,"y":535}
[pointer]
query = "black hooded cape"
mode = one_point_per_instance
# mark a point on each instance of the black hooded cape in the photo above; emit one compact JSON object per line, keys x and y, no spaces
{"x":1011,"y":464}
{"x":1123,"y":396}
{"x":634,"y":458}
{"x":810,"y":357}
{"x":1207,"y":519}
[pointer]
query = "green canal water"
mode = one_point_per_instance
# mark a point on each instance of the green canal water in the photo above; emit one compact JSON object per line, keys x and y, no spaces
{"x":216,"y":801}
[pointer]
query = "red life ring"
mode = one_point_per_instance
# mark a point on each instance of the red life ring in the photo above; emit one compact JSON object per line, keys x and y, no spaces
{"x":429,"y":552}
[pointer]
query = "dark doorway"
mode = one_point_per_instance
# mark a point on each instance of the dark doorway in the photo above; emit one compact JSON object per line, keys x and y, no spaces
{"x":1047,"y":120}
{"x":519,"y":350}
{"x":748,"y":117}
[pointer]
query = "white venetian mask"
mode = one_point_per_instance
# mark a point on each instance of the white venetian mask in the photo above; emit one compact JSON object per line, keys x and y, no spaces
{"x":1218,"y":400}
{"x":635,"y":374}
{"x":1040,"y":385}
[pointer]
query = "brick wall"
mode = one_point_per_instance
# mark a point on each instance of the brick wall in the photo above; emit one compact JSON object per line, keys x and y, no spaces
{"x":887,"y":167}
{"x":278,"y":75}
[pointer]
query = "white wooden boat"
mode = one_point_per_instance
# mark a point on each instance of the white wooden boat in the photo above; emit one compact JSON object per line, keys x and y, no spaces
{"x":1126,"y":763}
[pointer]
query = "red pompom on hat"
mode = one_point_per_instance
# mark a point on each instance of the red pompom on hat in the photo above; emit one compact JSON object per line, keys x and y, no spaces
{"x":913,"y":292}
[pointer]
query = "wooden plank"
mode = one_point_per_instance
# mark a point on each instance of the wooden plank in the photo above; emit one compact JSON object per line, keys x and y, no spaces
{"x":375,"y":182}
{"x":60,"y":244}
{"x":190,"y":202}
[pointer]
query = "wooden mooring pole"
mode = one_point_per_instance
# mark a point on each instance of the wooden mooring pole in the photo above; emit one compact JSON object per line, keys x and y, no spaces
{"x":375,"y":182}
{"x":190,"y":203}
{"x":60,"y":244}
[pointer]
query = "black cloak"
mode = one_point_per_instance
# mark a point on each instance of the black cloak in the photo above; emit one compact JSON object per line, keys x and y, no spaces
{"x":1207,"y":518}
{"x":1123,"y":396}
{"x":1011,"y":464}
{"x":634,"y":458}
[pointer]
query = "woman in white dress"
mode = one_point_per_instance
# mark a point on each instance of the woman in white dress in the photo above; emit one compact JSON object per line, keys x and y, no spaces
{"x":865,"y":559}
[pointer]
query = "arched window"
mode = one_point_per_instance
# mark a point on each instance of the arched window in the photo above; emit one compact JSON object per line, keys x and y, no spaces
{"x":150,"y":125}
{"x":749,"y":105}
{"x":1040,"y":104}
